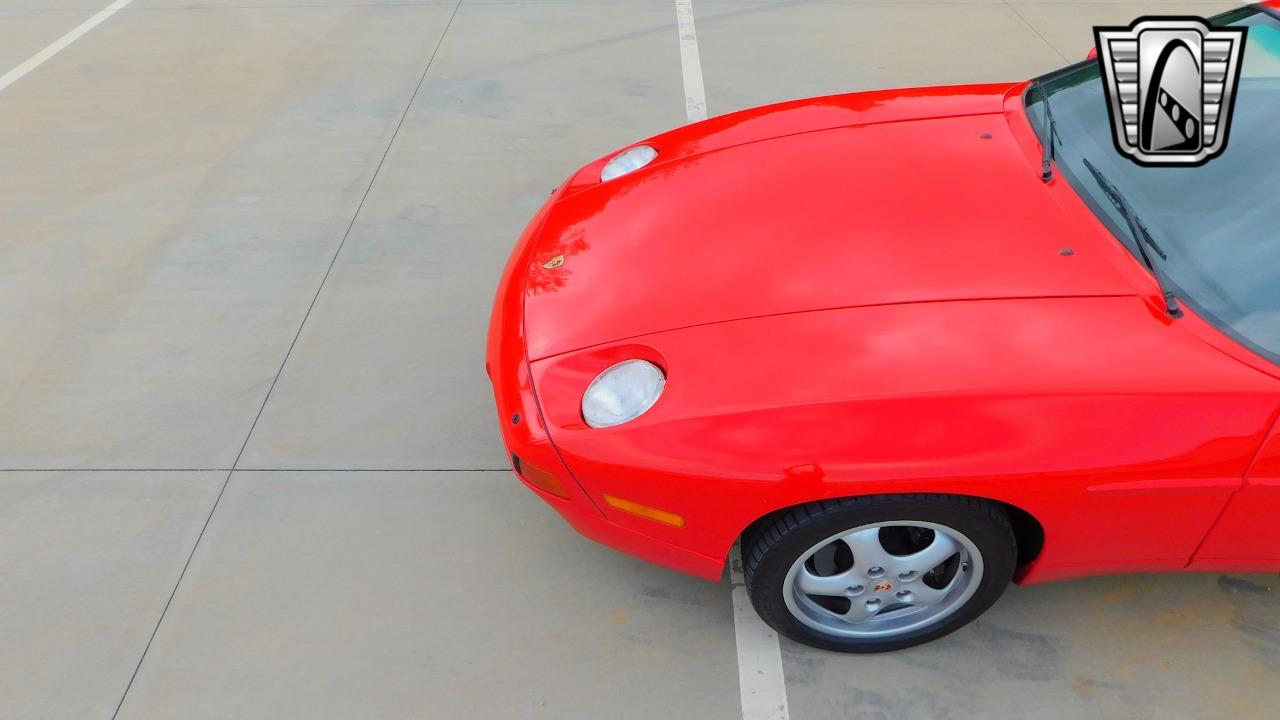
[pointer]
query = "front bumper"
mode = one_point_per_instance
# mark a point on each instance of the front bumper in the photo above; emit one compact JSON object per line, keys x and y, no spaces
{"x":534,"y":457}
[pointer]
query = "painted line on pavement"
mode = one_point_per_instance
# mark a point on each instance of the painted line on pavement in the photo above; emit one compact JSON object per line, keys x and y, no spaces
{"x":61,"y":43}
{"x":695,"y":95}
{"x":760,"y":678}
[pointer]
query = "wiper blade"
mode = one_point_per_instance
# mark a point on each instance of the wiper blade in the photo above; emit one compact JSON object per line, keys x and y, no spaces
{"x":1051,"y":134}
{"x":1141,"y":237}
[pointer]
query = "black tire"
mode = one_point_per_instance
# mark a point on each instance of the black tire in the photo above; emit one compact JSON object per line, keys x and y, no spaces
{"x":771,"y":547}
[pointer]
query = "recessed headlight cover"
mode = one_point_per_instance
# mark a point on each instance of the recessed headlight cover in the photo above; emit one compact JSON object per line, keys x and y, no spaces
{"x":627,"y":161}
{"x":622,"y":393}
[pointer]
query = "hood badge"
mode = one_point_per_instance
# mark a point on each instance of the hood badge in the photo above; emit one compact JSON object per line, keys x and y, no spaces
{"x":554,"y":262}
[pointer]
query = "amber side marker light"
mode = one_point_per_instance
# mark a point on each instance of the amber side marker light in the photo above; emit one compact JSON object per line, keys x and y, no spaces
{"x":644,"y":511}
{"x":538,"y":477}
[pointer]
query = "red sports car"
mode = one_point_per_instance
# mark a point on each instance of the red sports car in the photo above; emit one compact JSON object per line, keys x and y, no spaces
{"x":905,"y":353}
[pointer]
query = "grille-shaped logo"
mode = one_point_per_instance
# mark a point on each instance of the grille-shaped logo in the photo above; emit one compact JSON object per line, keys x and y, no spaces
{"x":1171,"y":84}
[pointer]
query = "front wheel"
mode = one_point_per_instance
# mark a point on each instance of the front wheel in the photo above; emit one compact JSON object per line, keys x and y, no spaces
{"x":881,"y":572}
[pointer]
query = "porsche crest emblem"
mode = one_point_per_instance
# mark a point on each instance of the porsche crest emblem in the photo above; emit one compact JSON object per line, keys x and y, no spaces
{"x":554,"y":262}
{"x":883,"y":586}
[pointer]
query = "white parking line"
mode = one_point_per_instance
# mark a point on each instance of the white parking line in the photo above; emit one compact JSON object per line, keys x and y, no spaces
{"x":760,"y":679}
{"x":57,"y":46}
{"x":695,"y":95}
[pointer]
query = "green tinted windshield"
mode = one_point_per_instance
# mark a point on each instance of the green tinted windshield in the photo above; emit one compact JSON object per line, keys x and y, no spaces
{"x":1218,"y":223}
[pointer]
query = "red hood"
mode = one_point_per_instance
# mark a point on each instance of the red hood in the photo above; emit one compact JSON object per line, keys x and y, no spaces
{"x":867,"y":199}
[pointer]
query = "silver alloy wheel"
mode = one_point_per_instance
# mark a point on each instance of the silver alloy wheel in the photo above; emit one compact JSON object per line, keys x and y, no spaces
{"x":887,"y":594}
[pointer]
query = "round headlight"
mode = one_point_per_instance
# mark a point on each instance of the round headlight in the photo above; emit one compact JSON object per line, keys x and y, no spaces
{"x":621,"y":393}
{"x":628,"y":161}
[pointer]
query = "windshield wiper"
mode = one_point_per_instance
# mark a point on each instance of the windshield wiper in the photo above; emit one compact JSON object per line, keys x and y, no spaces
{"x":1141,"y":237}
{"x":1050,"y":134}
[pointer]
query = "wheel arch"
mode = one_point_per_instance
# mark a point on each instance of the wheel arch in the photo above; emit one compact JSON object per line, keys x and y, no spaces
{"x":1028,"y":531}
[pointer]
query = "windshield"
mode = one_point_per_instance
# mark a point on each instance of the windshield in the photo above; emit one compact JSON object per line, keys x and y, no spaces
{"x":1219,"y":223}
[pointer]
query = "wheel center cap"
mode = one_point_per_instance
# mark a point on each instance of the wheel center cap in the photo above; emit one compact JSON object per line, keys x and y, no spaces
{"x":883,"y":586}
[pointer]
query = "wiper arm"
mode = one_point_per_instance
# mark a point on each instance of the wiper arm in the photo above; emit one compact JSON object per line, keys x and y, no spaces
{"x":1141,"y":237}
{"x":1051,"y":134}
